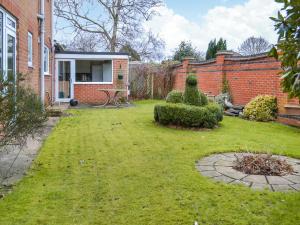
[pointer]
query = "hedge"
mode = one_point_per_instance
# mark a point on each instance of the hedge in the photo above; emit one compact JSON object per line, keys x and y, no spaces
{"x":174,"y":97}
{"x":188,"y":116}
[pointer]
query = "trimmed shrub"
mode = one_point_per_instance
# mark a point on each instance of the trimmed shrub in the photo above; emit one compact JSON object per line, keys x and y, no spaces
{"x":191,"y":95}
{"x":203,"y":99}
{"x":188,"y":116}
{"x":261,"y":108}
{"x":174,"y":97}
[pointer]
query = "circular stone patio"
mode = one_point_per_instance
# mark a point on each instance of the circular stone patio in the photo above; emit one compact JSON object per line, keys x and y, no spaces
{"x":219,"y":167}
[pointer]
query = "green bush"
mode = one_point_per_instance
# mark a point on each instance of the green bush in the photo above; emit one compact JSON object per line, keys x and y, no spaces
{"x":261,"y":108}
{"x":21,"y":111}
{"x":188,"y":116}
{"x":203,"y":99}
{"x":191,"y":95}
{"x":174,"y":97}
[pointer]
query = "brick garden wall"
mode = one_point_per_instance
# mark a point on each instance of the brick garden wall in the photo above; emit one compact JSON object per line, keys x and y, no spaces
{"x":88,"y":93}
{"x":25,"y":12}
{"x":247,"y":77}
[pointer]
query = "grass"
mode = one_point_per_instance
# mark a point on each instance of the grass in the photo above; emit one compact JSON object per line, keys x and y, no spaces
{"x":118,"y":167}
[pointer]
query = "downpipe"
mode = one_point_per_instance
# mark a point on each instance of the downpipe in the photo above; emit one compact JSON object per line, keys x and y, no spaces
{"x":41,"y":17}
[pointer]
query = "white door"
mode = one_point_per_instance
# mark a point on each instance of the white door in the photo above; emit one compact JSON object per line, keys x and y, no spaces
{"x":65,"y":76}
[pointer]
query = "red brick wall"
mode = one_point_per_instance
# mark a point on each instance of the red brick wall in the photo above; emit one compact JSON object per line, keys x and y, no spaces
{"x":25,"y":12}
{"x":247,"y":77}
{"x":88,"y":93}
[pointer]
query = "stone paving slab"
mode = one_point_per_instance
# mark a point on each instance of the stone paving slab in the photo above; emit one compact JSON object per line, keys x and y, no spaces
{"x":282,"y":188}
{"x":229,"y":155}
{"x":230,"y":172}
{"x":211,"y":173}
{"x":219,"y":167}
{"x":257,"y":186}
{"x":15,"y":161}
{"x":205,"y":168}
{"x":278,"y":180}
{"x":297,"y":169}
{"x":296,"y":186}
{"x":223,"y":178}
{"x":293,"y":178}
{"x":205,"y":163}
{"x":224,"y":163}
{"x":258,"y":179}
{"x":241,"y":182}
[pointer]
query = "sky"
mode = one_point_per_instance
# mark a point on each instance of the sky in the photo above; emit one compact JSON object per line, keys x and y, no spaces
{"x":200,"y":21}
{"x":193,"y":9}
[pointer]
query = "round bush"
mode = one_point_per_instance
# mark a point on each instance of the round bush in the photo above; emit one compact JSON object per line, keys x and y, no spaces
{"x":174,"y":97}
{"x":188,"y":116}
{"x":191,"y":80}
{"x":191,"y":95}
{"x":261,"y":108}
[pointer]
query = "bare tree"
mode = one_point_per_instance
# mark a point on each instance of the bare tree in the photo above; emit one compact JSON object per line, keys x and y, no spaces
{"x":84,"y":42}
{"x":115,"y":21}
{"x":150,"y":47}
{"x":253,"y":45}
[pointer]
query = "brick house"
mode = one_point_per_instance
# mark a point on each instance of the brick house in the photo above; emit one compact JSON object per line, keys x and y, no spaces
{"x":80,"y":75}
{"x":28,"y":48}
{"x":23,"y":49}
{"x":248,"y":76}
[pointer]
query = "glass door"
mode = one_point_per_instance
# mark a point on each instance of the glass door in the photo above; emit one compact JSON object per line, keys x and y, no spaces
{"x":65,"y":74}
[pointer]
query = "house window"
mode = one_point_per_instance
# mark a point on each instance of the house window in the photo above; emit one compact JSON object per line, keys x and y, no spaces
{"x":89,"y":71}
{"x":11,"y":22}
{"x":11,"y":46}
{"x":46,"y":60}
{"x":30,"y":52}
{"x":7,"y":43}
{"x":1,"y":41}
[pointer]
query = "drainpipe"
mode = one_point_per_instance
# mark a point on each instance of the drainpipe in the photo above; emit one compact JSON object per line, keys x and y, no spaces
{"x":41,"y":17}
{"x":53,"y":52}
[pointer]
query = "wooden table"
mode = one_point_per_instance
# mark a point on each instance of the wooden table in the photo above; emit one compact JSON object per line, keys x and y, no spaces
{"x":115,"y":99}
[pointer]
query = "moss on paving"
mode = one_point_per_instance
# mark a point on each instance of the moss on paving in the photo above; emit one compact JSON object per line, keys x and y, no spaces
{"x":118,"y":167}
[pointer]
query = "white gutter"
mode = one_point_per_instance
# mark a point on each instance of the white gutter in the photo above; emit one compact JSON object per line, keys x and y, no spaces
{"x":41,"y":16}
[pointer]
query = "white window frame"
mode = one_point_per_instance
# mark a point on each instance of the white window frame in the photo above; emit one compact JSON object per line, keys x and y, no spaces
{"x":12,"y":34}
{"x":9,"y":17}
{"x":30,"y":50}
{"x":46,"y":60}
{"x":112,"y":74}
{"x":8,"y":30}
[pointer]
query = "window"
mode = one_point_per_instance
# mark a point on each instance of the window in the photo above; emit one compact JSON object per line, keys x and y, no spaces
{"x":7,"y":43}
{"x":11,"y":22}
{"x":94,"y":71}
{"x":30,"y":53}
{"x":1,"y":41}
{"x":11,"y":54}
{"x":46,"y":60}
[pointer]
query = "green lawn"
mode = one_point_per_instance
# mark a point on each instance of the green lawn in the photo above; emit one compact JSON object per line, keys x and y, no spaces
{"x":118,"y":167}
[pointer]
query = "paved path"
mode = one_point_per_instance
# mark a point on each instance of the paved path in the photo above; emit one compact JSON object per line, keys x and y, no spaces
{"x":220,"y":168}
{"x":15,"y":161}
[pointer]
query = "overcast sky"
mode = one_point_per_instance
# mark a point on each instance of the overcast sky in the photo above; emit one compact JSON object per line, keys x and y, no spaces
{"x":202,"y":20}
